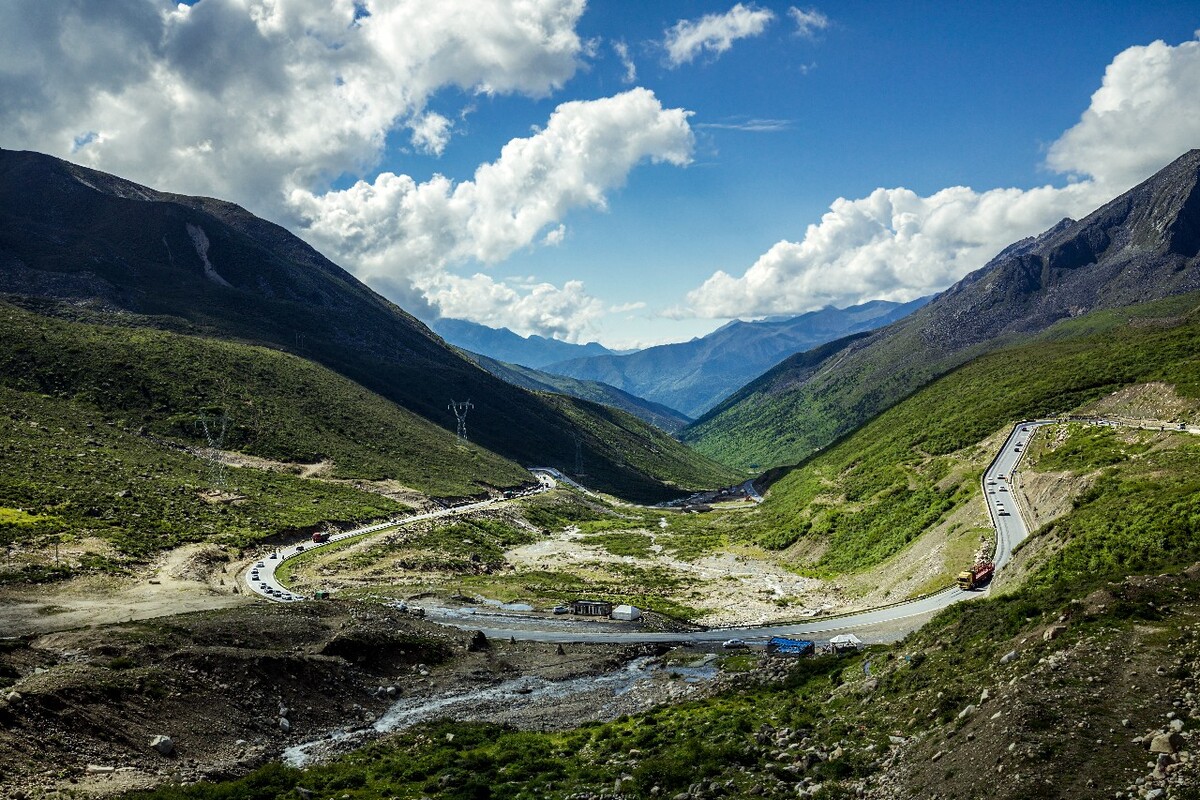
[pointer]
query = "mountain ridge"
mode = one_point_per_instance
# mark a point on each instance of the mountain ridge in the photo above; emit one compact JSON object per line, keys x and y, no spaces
{"x":1138,"y":247}
{"x":504,"y":345}
{"x":693,"y":376}
{"x":73,"y":236}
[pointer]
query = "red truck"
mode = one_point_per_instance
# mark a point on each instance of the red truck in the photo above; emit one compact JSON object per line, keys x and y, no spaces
{"x":321,"y":536}
{"x":976,"y":576}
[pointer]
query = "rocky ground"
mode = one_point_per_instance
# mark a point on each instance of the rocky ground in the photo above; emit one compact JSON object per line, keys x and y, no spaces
{"x":230,"y":690}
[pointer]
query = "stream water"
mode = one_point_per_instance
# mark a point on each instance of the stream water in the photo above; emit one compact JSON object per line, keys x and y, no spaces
{"x":509,"y":697}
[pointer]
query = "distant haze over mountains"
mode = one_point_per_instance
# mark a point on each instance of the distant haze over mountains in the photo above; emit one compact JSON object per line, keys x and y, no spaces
{"x":692,"y":377}
{"x":1142,"y":246}
{"x":504,"y":345}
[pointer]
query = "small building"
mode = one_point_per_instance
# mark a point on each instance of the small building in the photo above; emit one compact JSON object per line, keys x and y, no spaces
{"x":627,"y":613}
{"x":591,"y":608}
{"x":790,"y":647}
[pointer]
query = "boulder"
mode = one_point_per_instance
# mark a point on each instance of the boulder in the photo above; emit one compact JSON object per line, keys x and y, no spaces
{"x":1008,"y":657}
{"x":163,"y":744}
{"x":479,"y":643}
{"x":968,"y":711}
{"x":1053,"y":632}
{"x":284,"y":725}
{"x":1166,"y":743}
{"x":14,"y":698}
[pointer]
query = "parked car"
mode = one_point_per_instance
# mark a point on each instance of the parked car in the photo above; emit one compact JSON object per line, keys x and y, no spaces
{"x":733,"y":644}
{"x":562,"y":609}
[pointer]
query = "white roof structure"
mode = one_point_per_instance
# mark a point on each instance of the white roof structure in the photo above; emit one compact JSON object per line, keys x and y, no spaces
{"x":846,"y":640}
{"x":629,"y":613}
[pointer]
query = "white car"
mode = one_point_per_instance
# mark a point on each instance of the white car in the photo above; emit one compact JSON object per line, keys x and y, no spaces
{"x":734,"y":644}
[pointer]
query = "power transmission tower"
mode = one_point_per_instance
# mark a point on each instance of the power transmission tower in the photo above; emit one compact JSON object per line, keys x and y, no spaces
{"x":460,"y":413}
{"x":215,"y":436}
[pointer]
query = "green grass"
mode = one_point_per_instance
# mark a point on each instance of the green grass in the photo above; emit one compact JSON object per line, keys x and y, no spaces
{"x":871,"y":494}
{"x":83,"y":477}
{"x":775,"y":421}
{"x":279,"y":406}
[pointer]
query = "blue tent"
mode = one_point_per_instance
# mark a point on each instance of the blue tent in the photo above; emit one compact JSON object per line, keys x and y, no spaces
{"x":792,"y":647}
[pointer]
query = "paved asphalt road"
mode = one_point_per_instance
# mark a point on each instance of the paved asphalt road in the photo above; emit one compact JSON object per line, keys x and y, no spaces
{"x":879,"y":624}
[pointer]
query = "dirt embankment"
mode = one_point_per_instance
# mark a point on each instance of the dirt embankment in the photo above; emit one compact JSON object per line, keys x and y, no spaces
{"x":191,"y":578}
{"x":232,"y":689}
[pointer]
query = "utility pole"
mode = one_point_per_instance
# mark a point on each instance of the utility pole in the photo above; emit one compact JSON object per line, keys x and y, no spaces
{"x":460,"y":413}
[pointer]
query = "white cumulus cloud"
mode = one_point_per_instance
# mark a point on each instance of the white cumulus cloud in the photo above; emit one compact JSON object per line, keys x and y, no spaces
{"x":1144,"y":115}
{"x":713,"y":33}
{"x":245,"y":99}
{"x":568,"y":312}
{"x":431,"y":133}
{"x":898,"y":245}
{"x":397,"y":230}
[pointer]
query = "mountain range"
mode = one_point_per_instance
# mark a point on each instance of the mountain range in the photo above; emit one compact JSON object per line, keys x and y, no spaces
{"x":502,"y":344}
{"x":693,"y":376}
{"x":78,"y":242}
{"x":1142,"y":246}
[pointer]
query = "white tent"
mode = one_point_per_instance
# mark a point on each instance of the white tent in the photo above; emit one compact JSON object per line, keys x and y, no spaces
{"x":846,"y":640}
{"x":627,"y":613}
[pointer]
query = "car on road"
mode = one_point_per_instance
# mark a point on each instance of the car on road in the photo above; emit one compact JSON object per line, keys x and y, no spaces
{"x":299,"y":548}
{"x":562,"y":610}
{"x":274,"y":555}
{"x":260,"y":564}
{"x":734,"y":644}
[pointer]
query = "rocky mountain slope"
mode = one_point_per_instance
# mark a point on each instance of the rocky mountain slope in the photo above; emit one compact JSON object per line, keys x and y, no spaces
{"x":73,"y":238}
{"x":1141,"y":246}
{"x":693,"y":376}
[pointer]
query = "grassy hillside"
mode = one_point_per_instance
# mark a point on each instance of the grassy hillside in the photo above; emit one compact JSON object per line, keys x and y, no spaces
{"x":865,"y":498}
{"x":280,"y":407}
{"x":111,"y":496}
{"x":77,"y":241}
{"x":667,"y":419}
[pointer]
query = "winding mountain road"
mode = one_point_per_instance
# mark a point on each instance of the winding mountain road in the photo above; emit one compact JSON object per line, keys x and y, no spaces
{"x":878,"y":624}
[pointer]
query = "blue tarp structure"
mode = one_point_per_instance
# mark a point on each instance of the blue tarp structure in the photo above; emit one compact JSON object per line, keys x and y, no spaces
{"x":791,"y":647}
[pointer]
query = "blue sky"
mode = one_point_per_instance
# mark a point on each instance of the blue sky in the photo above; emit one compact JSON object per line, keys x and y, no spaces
{"x":651,"y":209}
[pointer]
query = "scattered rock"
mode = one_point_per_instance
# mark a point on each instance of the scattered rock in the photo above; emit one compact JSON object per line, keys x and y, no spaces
{"x":284,"y":725}
{"x":1053,"y":632}
{"x":163,"y":744}
{"x":479,"y":643}
{"x":968,"y":711}
{"x":1008,"y":657}
{"x":97,"y":769}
